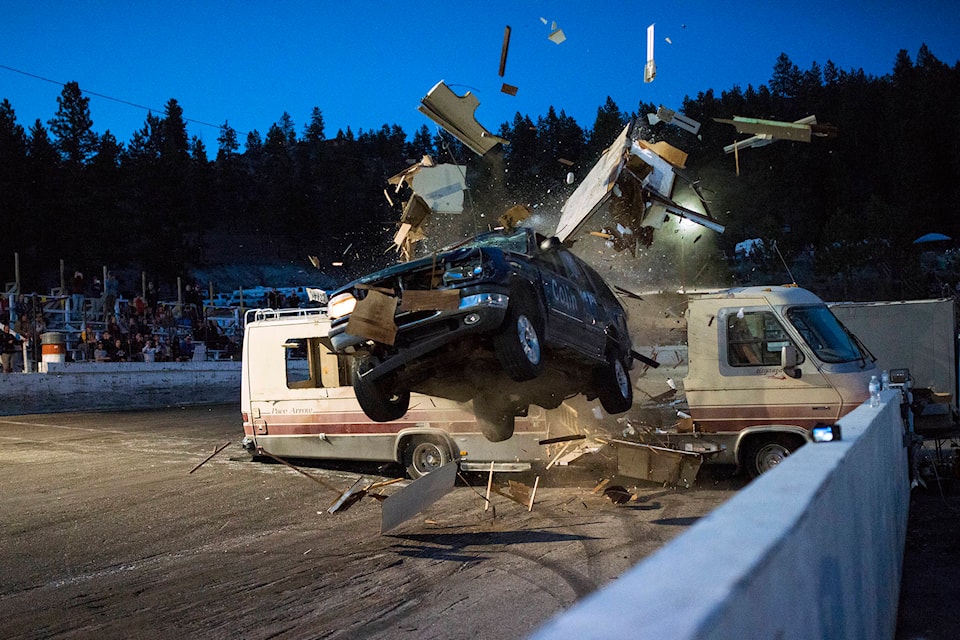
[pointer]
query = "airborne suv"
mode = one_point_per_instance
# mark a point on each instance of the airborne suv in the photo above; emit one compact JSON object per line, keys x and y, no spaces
{"x":505,"y":319}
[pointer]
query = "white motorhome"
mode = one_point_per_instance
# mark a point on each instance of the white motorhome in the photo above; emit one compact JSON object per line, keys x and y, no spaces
{"x":297,"y":401}
{"x":760,"y":368}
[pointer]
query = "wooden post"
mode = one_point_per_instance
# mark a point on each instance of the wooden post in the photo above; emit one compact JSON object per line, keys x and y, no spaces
{"x":486,"y":505}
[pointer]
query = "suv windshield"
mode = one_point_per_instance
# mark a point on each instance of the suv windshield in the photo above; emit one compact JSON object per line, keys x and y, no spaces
{"x":516,"y":242}
{"x":824,"y":334}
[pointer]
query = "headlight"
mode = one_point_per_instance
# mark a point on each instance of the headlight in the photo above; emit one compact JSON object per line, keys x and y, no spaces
{"x":341,"y":305}
{"x":461,"y":272}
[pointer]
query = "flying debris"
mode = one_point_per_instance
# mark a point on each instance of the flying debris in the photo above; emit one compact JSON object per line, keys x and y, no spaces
{"x":503,"y":50}
{"x":676,"y":119}
{"x":650,"y":70}
{"x":437,"y":188}
{"x":637,"y":179}
{"x":767,"y":131}
{"x":455,"y":114}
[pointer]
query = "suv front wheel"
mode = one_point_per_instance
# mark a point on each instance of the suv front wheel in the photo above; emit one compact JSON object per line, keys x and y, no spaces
{"x":378,"y":399}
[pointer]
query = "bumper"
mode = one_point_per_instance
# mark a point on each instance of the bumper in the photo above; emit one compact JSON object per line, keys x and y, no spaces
{"x":477,"y":313}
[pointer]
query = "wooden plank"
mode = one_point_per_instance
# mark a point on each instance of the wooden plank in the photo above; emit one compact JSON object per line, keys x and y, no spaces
{"x":430,"y":300}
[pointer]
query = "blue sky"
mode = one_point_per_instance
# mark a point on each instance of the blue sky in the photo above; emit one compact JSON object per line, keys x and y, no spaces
{"x":367,"y":63}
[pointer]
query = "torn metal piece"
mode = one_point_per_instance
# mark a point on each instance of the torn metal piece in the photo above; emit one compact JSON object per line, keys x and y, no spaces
{"x":650,"y":70}
{"x":417,"y":496}
{"x":768,"y":131}
{"x":557,"y":36}
{"x":508,"y":89}
{"x":456,"y":115}
{"x":677,"y":119}
{"x":503,"y":50}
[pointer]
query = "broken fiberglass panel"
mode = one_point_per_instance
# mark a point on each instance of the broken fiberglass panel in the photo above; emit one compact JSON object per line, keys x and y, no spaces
{"x":456,"y":115}
{"x":441,"y":187}
{"x":595,"y":188}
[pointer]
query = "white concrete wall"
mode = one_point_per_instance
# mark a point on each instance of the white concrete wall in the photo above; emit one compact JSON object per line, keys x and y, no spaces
{"x":813,"y":549}
{"x":108,"y":386}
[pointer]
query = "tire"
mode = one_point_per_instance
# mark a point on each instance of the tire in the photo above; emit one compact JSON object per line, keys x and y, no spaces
{"x":614,"y":388}
{"x":519,"y":343}
{"x":496,"y":420}
{"x":760,"y":454}
{"x":423,"y":455}
{"x":378,"y":400}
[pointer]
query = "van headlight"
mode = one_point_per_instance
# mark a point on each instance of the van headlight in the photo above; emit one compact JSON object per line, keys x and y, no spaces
{"x":340,"y":305}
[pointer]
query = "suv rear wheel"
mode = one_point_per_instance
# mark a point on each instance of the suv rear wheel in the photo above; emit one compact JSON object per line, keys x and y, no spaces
{"x":614,"y":388}
{"x":378,"y":399}
{"x":496,"y":419}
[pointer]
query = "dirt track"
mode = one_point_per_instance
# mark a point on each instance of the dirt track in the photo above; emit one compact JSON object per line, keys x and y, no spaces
{"x":106,"y":534}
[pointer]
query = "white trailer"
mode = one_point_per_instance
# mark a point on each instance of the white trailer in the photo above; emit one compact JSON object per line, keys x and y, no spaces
{"x":297,"y":401}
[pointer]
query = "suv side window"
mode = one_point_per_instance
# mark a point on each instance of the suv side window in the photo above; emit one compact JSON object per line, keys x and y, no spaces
{"x":572,"y":269}
{"x":755,"y":339}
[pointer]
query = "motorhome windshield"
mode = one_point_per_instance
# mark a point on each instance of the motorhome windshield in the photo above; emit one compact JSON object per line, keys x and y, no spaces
{"x":824,"y":334}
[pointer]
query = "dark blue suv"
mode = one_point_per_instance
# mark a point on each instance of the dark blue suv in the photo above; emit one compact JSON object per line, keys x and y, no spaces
{"x":506,"y":319}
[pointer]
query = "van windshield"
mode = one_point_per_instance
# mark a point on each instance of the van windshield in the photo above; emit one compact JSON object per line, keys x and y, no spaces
{"x":824,"y":334}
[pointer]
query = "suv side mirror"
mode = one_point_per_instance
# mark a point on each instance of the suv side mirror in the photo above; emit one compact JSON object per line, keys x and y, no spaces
{"x":550,"y":244}
{"x":789,"y":361}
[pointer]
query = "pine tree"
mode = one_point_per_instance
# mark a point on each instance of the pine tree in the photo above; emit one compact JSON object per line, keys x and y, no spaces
{"x":73,"y":126}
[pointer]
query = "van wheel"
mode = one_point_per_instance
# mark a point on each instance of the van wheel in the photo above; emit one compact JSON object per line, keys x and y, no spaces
{"x":377,"y":398}
{"x":496,"y":419}
{"x":614,"y":388}
{"x":761,"y":454}
{"x":519,"y":344}
{"x":424,"y":455}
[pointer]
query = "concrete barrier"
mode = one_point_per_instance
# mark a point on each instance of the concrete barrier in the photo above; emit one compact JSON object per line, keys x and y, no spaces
{"x":813,"y":549}
{"x":113,"y":386}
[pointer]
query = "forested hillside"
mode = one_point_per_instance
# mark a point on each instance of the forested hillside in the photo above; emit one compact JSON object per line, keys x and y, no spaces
{"x":844,"y":210}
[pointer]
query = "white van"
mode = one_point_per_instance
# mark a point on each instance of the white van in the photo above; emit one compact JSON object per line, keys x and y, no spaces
{"x":297,"y":401}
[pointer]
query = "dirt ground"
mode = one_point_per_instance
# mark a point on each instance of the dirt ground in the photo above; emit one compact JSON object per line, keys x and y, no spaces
{"x":105,"y":533}
{"x":931,"y":561}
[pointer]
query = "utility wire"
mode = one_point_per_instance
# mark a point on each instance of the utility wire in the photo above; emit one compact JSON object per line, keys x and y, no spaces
{"x":106,"y":97}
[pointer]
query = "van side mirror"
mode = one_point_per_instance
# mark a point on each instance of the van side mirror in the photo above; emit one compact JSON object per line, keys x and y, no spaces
{"x":789,"y":361}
